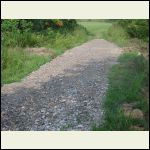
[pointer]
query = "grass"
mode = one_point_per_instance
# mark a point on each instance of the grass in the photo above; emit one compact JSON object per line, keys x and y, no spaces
{"x":126,"y":81}
{"x":63,"y":42}
{"x":108,"y":31}
{"x":117,"y":35}
{"x":16,"y":63}
{"x":96,"y":29}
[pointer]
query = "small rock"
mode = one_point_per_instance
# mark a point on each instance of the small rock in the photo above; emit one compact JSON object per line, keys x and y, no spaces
{"x":43,"y":117}
{"x":37,"y":121}
{"x":127,"y":109}
{"x":2,"y":113}
{"x":43,"y":110}
{"x":137,"y":114}
{"x":22,"y":113}
{"x":47,"y":113}
{"x":23,"y":107}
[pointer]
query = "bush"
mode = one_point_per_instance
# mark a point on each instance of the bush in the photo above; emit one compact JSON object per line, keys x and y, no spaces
{"x":25,"y":32}
{"x":58,"y":35}
{"x":55,"y":24}
{"x":17,"y":33}
{"x":136,"y":28}
{"x":12,"y":25}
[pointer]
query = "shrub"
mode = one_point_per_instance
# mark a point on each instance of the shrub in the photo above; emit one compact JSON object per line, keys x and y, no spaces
{"x":17,"y":33}
{"x":136,"y":28}
{"x":10,"y":25}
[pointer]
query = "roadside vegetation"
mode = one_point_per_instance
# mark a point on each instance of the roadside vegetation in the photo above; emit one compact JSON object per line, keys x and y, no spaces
{"x":96,"y":28}
{"x":126,"y":103}
{"x":18,"y":37}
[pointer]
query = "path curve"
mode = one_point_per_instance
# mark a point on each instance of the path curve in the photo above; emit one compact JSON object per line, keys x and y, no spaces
{"x":64,"y":94}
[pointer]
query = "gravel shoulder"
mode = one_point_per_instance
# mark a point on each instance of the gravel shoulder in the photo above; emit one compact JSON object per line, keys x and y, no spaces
{"x":64,"y":94}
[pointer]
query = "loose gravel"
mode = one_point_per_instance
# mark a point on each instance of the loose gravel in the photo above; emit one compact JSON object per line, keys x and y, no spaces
{"x":64,"y":94}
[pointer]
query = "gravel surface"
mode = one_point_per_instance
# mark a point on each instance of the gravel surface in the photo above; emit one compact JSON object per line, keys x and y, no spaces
{"x":64,"y":94}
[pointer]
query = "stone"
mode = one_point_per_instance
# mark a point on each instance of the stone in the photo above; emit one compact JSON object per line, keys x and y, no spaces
{"x":43,"y":110}
{"x":137,"y":114}
{"x":127,"y":109}
{"x":2,"y":113}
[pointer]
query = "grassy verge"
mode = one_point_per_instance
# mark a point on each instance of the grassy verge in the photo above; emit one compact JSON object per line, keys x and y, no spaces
{"x":16,"y":63}
{"x":117,"y":35}
{"x":61,"y":42}
{"x":126,"y":81}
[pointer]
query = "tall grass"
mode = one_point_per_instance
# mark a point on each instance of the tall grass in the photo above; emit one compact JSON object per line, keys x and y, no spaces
{"x":16,"y":63}
{"x":126,"y":80}
{"x":13,"y":39}
{"x":117,"y":35}
{"x":108,"y":31}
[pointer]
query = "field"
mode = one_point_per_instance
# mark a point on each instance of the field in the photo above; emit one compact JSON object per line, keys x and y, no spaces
{"x":97,"y":29}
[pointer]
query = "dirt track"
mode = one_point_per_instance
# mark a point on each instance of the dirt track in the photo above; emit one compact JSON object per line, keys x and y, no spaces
{"x":64,"y":94}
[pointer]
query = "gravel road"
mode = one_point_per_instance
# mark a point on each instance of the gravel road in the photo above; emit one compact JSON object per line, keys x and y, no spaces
{"x":64,"y":94}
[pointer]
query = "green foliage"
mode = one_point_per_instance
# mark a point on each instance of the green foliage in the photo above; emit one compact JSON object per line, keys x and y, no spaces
{"x":18,"y":34}
{"x":23,"y":33}
{"x":136,"y":28}
{"x":62,"y":25}
{"x":96,"y":28}
{"x":15,"y":38}
{"x":117,"y":35}
{"x":16,"y":25}
{"x":61,"y":42}
{"x":17,"y":63}
{"x":125,"y":82}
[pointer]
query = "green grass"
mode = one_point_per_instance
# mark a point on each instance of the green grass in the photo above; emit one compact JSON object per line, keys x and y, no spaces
{"x":108,"y":31}
{"x":117,"y":35}
{"x":96,"y":29}
{"x":126,"y":80}
{"x":61,"y":42}
{"x":16,"y":64}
